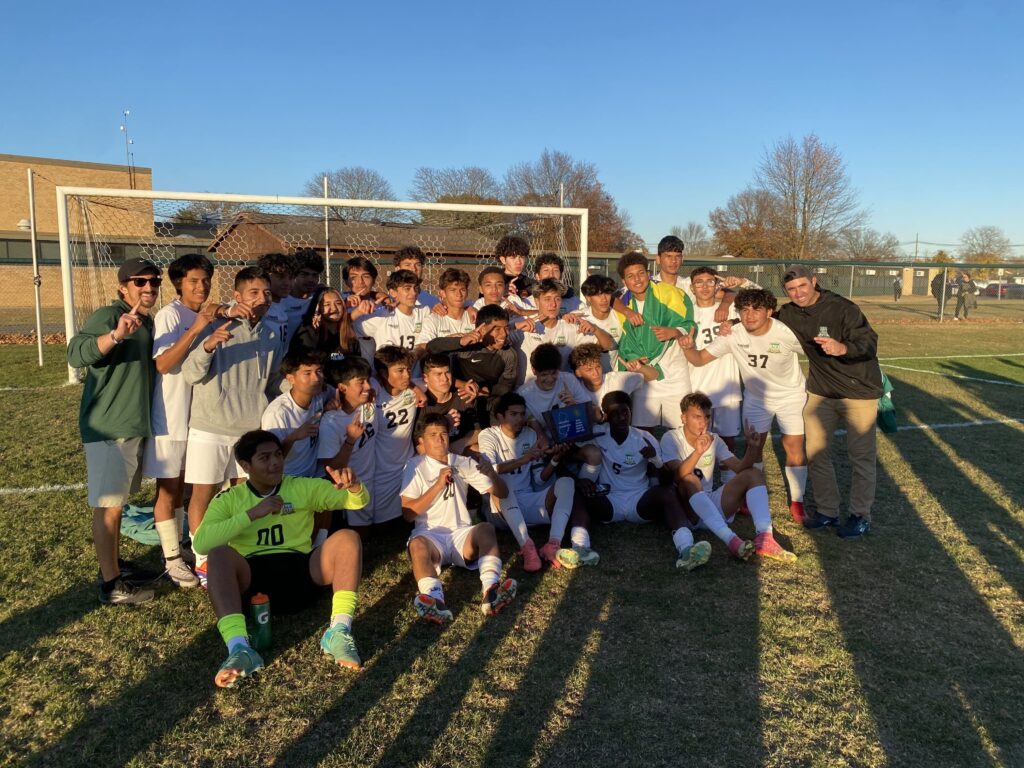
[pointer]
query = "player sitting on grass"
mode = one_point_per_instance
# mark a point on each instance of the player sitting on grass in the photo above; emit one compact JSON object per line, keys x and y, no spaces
{"x":629,"y":459}
{"x":527,"y":465}
{"x":766,"y":353}
{"x":691,"y":452}
{"x":434,"y":490}
{"x":258,"y":538}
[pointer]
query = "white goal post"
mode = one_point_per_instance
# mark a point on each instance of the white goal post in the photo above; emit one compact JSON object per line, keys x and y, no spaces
{"x":99,"y":228}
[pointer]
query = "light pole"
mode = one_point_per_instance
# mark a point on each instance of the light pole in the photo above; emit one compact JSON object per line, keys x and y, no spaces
{"x":127,"y":150}
{"x":37,"y":281}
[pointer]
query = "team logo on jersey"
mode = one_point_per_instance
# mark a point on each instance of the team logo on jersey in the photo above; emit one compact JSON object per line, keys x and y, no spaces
{"x":774,"y":348}
{"x":630,"y":459}
{"x":524,"y":447}
{"x":560,"y":341}
{"x":419,"y":326}
{"x":823,"y":331}
{"x":706,"y":460}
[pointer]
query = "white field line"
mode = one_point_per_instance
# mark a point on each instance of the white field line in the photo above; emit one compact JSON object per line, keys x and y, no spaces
{"x":53,"y":488}
{"x":950,"y":357}
{"x":956,"y":376}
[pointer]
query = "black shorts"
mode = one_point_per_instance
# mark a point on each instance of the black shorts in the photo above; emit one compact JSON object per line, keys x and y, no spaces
{"x":284,"y":578}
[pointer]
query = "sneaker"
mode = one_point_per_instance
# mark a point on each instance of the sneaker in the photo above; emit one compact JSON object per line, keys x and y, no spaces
{"x":200,"y":571}
{"x":531,"y":560}
{"x":549,"y":552}
{"x":796,"y":510}
{"x":854,"y":527}
{"x":586,"y":555}
{"x":125,"y":593}
{"x":741,"y":548}
{"x":498,"y":597}
{"x":766,"y":546}
{"x":179,"y":573}
{"x":132,"y":572}
{"x":337,"y":643}
{"x":242,"y":663}
{"x":818,"y":520}
{"x":694,"y":556}
{"x":431,"y":609}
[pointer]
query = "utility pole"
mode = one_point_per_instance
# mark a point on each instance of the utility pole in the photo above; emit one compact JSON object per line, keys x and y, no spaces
{"x":127,"y":150}
{"x":915,"y":245}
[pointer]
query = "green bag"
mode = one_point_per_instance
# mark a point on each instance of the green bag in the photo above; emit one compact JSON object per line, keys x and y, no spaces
{"x":886,"y":418}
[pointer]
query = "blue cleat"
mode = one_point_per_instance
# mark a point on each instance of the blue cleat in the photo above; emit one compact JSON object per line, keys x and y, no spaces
{"x":818,"y":520}
{"x":854,"y":527}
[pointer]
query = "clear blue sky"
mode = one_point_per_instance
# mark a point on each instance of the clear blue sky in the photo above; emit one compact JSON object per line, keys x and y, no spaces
{"x":674,"y":102}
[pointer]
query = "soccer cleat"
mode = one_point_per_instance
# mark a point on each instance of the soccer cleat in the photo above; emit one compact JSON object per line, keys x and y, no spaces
{"x":200,"y":571}
{"x":741,"y":548}
{"x":431,"y":609}
{"x":586,"y":555}
{"x":818,"y":520}
{"x":766,"y":546}
{"x":240,"y":664}
{"x":694,"y":556}
{"x":796,"y":510}
{"x":854,"y":527}
{"x":337,"y":643}
{"x":498,"y":597}
{"x":531,"y":560}
{"x":549,"y":552}
{"x":125,"y":593}
{"x":179,"y":573}
{"x":132,"y":572}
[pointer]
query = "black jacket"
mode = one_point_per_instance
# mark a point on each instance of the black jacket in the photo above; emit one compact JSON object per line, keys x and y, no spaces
{"x":856,"y":374}
{"x":493,"y":369}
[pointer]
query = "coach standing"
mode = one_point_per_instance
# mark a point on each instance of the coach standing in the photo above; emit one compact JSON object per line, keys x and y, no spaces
{"x":843,"y":380}
{"x":115,"y":346}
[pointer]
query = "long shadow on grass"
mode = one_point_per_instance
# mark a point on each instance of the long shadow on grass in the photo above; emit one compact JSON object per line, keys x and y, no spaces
{"x":920,"y":637}
{"x":23,"y":629}
{"x":973,"y":372}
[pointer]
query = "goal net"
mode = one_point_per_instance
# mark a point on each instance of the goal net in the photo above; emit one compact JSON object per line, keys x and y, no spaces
{"x":100,"y":228}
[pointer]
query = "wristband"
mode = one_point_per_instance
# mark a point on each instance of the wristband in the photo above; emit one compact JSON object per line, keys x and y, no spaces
{"x":657,"y":462}
{"x":553,"y":462}
{"x":114,"y":339}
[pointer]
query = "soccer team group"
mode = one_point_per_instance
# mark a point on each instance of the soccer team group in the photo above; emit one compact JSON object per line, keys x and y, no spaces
{"x":305,"y":419}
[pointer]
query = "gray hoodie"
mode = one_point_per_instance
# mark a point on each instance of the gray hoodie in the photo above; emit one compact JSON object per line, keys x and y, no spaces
{"x":229,"y":385}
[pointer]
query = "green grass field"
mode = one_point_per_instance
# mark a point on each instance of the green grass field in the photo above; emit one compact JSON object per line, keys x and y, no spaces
{"x":906,"y":648}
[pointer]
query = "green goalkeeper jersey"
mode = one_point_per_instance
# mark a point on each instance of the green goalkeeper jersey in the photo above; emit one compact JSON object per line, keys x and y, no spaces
{"x":290,"y":530}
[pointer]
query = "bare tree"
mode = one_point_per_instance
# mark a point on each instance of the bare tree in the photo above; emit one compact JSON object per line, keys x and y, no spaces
{"x":817,"y":202}
{"x":355,"y":183}
{"x":867,"y":244}
{"x":211,"y":213}
{"x":469,"y":183}
{"x":700,"y":244}
{"x":748,"y":226}
{"x":986,"y":243}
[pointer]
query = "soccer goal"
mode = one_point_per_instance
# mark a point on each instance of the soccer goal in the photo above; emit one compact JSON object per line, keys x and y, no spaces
{"x":100,"y":228}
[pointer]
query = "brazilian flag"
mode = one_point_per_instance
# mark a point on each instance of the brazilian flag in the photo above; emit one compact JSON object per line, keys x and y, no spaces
{"x":664,"y":304}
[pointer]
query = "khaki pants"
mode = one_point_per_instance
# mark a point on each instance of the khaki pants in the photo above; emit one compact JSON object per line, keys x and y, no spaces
{"x":821,"y":415}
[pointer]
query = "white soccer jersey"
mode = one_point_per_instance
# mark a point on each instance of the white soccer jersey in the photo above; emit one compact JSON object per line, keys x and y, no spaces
{"x":616,"y":381}
{"x":610,"y":325}
{"x":448,"y":512}
{"x":719,"y":379}
{"x":500,"y":448}
{"x":172,"y":396}
{"x":768,"y":363}
{"x":539,"y":401}
{"x":674,"y":447}
{"x":563,"y":335}
{"x":397,"y":417}
{"x":438,"y":326}
{"x":623,"y":467}
{"x":282,"y":417}
{"x":394,"y":328}
{"x":682,"y":283}
{"x":332,"y":435}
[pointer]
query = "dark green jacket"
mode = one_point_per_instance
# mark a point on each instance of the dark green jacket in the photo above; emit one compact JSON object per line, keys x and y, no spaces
{"x":118,"y":386}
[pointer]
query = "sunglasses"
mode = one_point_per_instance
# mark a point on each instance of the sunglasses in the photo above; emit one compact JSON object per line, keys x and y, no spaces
{"x":138,"y":282}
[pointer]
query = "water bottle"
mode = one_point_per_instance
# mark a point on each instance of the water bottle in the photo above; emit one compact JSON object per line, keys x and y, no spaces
{"x":259,"y":611}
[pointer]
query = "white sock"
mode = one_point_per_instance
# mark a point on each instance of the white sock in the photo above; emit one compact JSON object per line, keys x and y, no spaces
{"x":431,"y":586}
{"x":342,"y":618}
{"x":796,"y":479}
{"x":565,"y":490}
{"x":168,"y":532}
{"x":179,"y":521}
{"x":490,"y":571}
{"x":200,"y":561}
{"x":237,"y":642}
{"x":708,"y":513}
{"x":757,"y":503}
{"x":580,"y":536}
{"x":682,"y":538}
{"x":509,"y":510}
{"x":590,"y":472}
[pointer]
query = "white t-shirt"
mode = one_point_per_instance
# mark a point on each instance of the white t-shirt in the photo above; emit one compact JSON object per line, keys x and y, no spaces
{"x":768,"y":363}
{"x":675,"y":448}
{"x":719,"y":379}
{"x":538,"y":401}
{"x":682,"y":283}
{"x":448,"y":512}
{"x":565,"y":336}
{"x":397,"y":417}
{"x":622,"y":466}
{"x":438,"y":326}
{"x":613,"y":327}
{"x":616,"y":381}
{"x":332,"y":435}
{"x":282,"y":417}
{"x":500,"y":448}
{"x":394,"y":328}
{"x":172,"y":397}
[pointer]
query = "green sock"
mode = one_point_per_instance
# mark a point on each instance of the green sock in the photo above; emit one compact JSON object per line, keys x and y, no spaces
{"x":343,"y":607}
{"x":232,"y":627}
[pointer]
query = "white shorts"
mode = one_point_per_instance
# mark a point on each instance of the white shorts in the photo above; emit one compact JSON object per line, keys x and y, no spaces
{"x":163,"y":457}
{"x":624,"y":505}
{"x":449,"y":546}
{"x":658,"y":403}
{"x":790,"y":414}
{"x":210,"y":458}
{"x":113,"y":471}
{"x":532,"y":506}
{"x":385,"y":501}
{"x":725,"y":419}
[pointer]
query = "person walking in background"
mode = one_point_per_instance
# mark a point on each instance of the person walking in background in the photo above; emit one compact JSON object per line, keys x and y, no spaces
{"x":966,"y":291}
{"x":939,"y":291}
{"x":897,"y":289}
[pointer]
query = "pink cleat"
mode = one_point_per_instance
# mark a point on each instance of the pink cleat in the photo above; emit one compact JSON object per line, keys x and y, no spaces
{"x":766,"y":546}
{"x":531,"y":561}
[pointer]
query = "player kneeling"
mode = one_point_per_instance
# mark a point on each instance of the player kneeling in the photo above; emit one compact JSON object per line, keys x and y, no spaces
{"x":259,"y":535}
{"x":629,"y":459}
{"x":690,"y":454}
{"x":434,"y":499}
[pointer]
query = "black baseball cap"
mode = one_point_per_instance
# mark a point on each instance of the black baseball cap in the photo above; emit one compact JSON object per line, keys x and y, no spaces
{"x":795,"y":272}
{"x":133,"y":267}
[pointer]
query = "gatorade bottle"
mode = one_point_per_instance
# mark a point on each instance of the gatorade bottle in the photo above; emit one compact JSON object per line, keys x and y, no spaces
{"x":259,"y":611}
